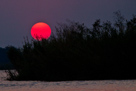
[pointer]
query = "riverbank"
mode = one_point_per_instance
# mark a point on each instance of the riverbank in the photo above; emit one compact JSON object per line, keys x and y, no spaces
{"x":105,"y":85}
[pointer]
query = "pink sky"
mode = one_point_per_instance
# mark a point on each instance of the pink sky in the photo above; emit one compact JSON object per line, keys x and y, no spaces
{"x":18,"y":16}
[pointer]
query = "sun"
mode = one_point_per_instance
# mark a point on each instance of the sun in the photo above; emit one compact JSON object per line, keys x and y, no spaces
{"x":40,"y":31}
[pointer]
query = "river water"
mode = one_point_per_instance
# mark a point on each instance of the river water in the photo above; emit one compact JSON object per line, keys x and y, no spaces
{"x":107,"y":85}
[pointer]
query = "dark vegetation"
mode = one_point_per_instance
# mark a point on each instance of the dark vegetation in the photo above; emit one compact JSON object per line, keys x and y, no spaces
{"x":4,"y":61}
{"x":76,"y":52}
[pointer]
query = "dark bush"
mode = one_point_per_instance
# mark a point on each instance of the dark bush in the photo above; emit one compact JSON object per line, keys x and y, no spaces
{"x":75,"y":52}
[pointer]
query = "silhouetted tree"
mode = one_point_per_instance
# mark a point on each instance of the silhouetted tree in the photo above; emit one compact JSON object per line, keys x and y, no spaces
{"x":77,"y":52}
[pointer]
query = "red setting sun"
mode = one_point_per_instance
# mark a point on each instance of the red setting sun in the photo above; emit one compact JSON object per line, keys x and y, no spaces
{"x":40,"y":31}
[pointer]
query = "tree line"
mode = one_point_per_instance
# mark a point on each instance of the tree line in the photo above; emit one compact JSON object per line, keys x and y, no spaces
{"x":76,"y":52}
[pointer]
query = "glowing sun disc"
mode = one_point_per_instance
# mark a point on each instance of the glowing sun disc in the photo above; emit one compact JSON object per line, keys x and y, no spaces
{"x":40,"y":31}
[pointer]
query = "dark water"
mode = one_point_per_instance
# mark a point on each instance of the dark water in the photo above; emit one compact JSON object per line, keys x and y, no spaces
{"x":108,"y":85}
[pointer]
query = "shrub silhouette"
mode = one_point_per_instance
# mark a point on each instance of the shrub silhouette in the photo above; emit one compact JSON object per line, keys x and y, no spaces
{"x":76,"y":52}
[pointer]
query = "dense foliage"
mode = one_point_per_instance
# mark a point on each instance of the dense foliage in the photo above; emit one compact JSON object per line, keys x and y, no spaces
{"x":76,"y":52}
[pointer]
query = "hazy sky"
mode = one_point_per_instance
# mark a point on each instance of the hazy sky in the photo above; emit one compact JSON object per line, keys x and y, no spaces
{"x":18,"y":16}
